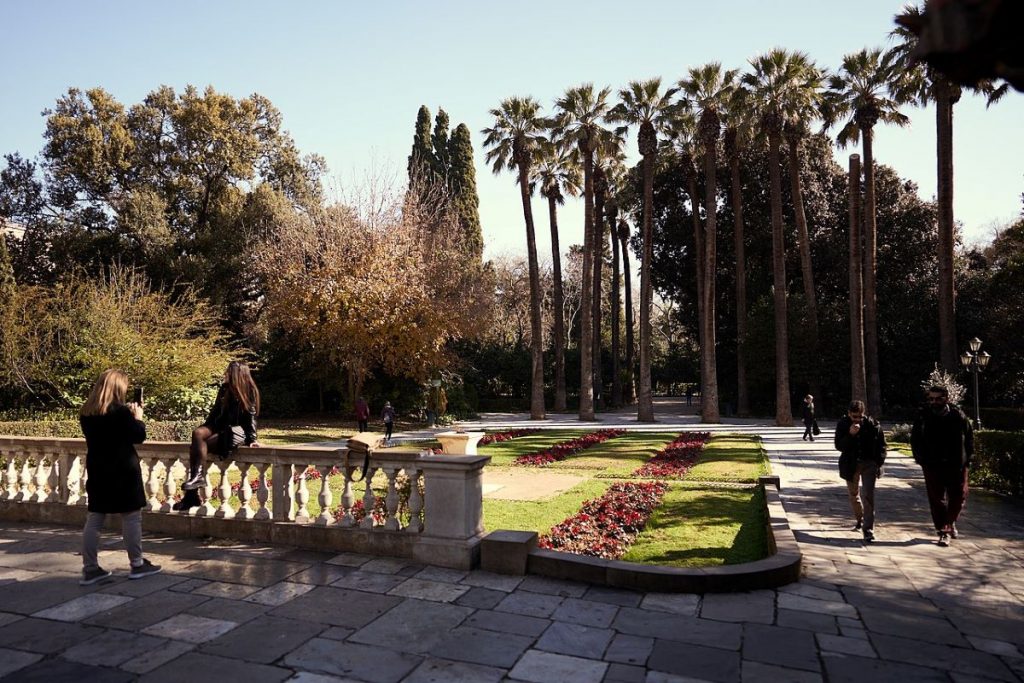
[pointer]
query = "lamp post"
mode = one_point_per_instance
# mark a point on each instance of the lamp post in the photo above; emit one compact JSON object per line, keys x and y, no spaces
{"x":975,"y":360}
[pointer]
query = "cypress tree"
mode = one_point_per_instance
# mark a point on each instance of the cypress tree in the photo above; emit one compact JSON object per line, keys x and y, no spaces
{"x":439,"y":142}
{"x":462,"y":178}
{"x":421,"y":160}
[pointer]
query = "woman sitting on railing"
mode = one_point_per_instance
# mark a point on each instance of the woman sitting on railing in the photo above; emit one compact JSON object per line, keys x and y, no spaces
{"x":231,"y":423}
{"x":114,"y":485}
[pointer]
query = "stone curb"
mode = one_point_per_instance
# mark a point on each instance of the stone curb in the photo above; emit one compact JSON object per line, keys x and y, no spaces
{"x":780,"y":568}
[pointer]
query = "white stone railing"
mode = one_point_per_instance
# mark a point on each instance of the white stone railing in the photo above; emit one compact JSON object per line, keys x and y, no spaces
{"x":440,"y":522}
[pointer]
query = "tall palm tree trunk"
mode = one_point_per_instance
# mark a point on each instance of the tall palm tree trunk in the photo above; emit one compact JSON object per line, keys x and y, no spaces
{"x":698,"y":248}
{"x":586,"y":410}
{"x":597,"y":241}
{"x":806,"y":268}
{"x":627,"y":276}
{"x":536,"y":332}
{"x":645,"y":400}
{"x":557,"y":304}
{"x":857,"y":379}
{"x":709,"y":359}
{"x":616,"y":311}
{"x":945,"y":97}
{"x":783,"y":411}
{"x":742,"y":397}
{"x":870,"y":265}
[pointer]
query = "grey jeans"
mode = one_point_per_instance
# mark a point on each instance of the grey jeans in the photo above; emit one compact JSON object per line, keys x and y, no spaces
{"x":862,"y":492}
{"x":131,"y":531}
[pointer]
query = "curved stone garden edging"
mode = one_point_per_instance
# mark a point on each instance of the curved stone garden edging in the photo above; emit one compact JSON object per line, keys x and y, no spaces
{"x":515,"y":552}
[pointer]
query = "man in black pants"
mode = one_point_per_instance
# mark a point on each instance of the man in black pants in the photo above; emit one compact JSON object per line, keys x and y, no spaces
{"x":861,"y":444}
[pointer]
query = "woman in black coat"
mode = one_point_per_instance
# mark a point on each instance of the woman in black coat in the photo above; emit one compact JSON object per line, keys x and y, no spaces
{"x":808,"y":417}
{"x":114,"y":485}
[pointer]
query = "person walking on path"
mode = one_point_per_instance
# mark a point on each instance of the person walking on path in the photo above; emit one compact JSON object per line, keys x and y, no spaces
{"x":942,"y":442}
{"x":861,"y":445}
{"x":810,"y":423}
{"x":231,"y":422}
{"x":388,"y":417}
{"x":362,"y":414}
{"x":114,"y":485}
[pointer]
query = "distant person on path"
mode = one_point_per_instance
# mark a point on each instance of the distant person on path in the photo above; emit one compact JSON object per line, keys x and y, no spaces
{"x":942,"y":442}
{"x":689,"y":394}
{"x":861,"y":445}
{"x":362,"y":414}
{"x":114,"y":485}
{"x":388,"y":416}
{"x":231,"y":423}
{"x":810,"y":423}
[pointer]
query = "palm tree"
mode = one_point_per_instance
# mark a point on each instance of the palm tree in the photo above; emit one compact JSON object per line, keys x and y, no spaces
{"x":644,"y":104}
{"x":557,"y":173}
{"x":513,"y":140}
{"x":918,"y":83}
{"x":775,"y":74}
{"x":708,"y":89}
{"x":621,"y":231}
{"x":608,"y":157}
{"x":858,"y":382}
{"x":614,"y":175}
{"x":738,"y":126}
{"x":860,"y":90}
{"x":578,"y":118}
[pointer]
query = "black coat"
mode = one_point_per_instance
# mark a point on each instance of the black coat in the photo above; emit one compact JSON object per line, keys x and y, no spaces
{"x":115,"y":478}
{"x":808,"y":414}
{"x":228,"y":412}
{"x":869,"y":444}
{"x":938,"y":440}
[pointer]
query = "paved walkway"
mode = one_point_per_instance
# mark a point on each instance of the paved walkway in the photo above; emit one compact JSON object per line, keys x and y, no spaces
{"x":902,"y":609}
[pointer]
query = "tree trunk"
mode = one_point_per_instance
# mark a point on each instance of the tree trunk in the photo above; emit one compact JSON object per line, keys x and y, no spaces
{"x":698,"y":248}
{"x":857,"y":380}
{"x":597,"y":242}
{"x":627,"y":274}
{"x":742,"y":397}
{"x":645,"y":400}
{"x":536,"y":331}
{"x":586,"y":409}
{"x":806,"y":267}
{"x":559,"y":323}
{"x":947,"y":294}
{"x":709,"y":359}
{"x":783,"y":411}
{"x":870,"y":302}
{"x":616,"y":310}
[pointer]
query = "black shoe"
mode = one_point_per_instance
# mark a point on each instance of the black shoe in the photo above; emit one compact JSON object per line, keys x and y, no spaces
{"x":859,"y":525}
{"x":869,"y":536}
{"x":943,"y":539}
{"x":187,"y":502}
{"x":91,"y":576}
{"x":145,"y":569}
{"x":196,"y":481}
{"x":953,"y":533}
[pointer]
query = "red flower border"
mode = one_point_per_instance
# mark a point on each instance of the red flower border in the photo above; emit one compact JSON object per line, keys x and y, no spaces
{"x":675,"y":460}
{"x":563,"y":449}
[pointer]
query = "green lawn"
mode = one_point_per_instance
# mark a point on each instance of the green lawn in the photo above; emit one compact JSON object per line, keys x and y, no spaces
{"x":730,"y":458}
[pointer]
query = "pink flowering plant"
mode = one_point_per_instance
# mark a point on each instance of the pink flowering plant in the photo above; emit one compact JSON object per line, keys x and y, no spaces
{"x":563,"y":449}
{"x":675,"y":459}
{"x":607,"y":526}
{"x":498,"y":437}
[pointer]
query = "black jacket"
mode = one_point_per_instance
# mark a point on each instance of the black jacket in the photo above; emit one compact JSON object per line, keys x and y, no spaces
{"x":942,"y":439}
{"x":869,"y":444}
{"x":808,"y":414}
{"x":115,"y":478}
{"x":228,"y":412}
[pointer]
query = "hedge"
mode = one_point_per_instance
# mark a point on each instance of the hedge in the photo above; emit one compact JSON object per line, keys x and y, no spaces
{"x":155,"y":430}
{"x":999,"y":461}
{"x":1007,"y":419}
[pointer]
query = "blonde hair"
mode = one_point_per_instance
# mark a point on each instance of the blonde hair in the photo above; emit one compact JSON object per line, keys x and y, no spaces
{"x":110,"y":388}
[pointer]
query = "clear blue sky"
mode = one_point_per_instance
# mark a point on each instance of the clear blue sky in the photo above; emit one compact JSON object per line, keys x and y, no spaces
{"x":349,"y":76}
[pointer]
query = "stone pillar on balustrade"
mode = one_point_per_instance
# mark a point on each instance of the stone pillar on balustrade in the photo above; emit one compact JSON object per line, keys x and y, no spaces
{"x":453,"y":509}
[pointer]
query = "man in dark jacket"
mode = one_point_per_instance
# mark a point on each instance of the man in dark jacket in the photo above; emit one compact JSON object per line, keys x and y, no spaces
{"x":861,"y":445}
{"x":943,"y":444}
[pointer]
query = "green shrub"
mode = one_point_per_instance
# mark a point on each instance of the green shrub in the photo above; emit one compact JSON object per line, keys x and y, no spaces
{"x":1004,"y":419}
{"x":999,"y":461}
{"x":69,"y":429}
{"x":900,"y":433}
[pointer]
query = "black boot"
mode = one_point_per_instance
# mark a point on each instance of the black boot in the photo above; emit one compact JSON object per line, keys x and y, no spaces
{"x":187,"y":502}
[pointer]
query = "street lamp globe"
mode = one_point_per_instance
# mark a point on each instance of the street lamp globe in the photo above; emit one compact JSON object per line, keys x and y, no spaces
{"x":984,"y":358}
{"x":965,"y":359}
{"x":975,"y":344}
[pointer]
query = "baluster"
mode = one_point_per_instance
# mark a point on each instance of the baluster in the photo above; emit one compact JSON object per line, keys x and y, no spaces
{"x":369,"y":500}
{"x":325,"y":498}
{"x":206,"y":508}
{"x":348,"y":498}
{"x":39,"y":480}
{"x":83,"y":499}
{"x":415,"y":502}
{"x":26,"y":480}
{"x":152,"y":484}
{"x":76,"y":466}
{"x":263,"y":492}
{"x":63,"y":465}
{"x":53,"y":480}
{"x":302,"y":499}
{"x":170,"y":487}
{"x":10,"y":479}
{"x":225,"y":511}
{"x":244,"y":493}
{"x":283,"y":485}
{"x":391,"y":501}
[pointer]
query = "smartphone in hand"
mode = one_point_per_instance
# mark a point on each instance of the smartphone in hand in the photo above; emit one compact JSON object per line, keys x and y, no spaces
{"x":139,"y":396}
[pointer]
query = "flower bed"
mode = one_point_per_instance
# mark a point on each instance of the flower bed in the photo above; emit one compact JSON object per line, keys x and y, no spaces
{"x":562,"y":450}
{"x":498,"y":437}
{"x":676,"y":459}
{"x":606,"y":526}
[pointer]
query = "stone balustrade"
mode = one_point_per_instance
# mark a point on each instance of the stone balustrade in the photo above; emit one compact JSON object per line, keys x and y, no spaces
{"x":430,"y":510}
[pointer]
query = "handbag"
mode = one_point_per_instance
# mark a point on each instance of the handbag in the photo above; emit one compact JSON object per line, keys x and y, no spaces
{"x":815,"y":429}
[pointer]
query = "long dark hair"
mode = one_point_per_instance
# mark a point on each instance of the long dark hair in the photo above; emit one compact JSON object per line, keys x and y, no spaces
{"x":241,"y":385}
